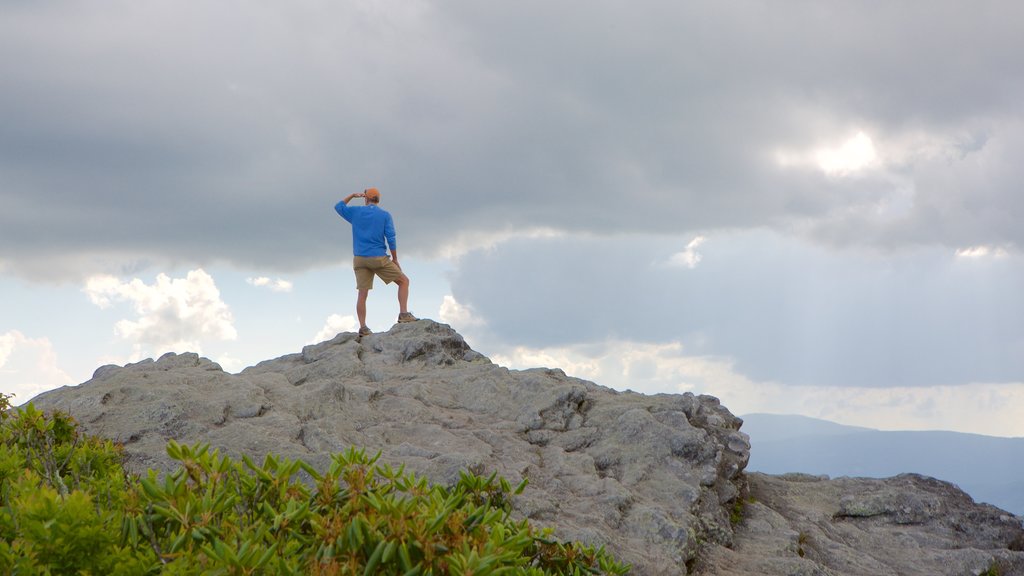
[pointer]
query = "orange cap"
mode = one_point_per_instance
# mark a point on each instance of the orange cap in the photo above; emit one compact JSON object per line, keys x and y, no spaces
{"x":372,"y":194}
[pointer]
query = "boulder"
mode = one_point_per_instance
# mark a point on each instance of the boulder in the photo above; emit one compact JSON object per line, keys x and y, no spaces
{"x":651,"y":478}
{"x":908,"y":525}
{"x":658,"y":480}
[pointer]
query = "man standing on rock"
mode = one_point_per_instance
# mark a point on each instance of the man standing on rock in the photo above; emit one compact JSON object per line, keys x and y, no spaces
{"x":373,"y":231}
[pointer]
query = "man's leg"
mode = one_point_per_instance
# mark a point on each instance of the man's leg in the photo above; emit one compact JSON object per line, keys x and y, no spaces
{"x":403,"y":294}
{"x":361,"y":306}
{"x":391,"y":272}
{"x":364,"y":282}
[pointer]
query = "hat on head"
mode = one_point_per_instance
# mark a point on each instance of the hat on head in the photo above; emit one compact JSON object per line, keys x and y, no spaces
{"x":372,"y":194}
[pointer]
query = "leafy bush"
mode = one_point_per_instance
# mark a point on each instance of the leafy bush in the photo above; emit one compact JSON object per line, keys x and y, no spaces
{"x":68,"y":507}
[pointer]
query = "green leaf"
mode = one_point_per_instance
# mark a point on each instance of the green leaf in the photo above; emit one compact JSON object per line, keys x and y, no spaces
{"x":371,"y":564}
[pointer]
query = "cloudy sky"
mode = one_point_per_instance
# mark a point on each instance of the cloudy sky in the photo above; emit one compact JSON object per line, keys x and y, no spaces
{"x":800,"y":207}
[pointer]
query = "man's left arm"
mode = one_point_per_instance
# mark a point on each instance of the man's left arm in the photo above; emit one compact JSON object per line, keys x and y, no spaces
{"x":389,"y":235}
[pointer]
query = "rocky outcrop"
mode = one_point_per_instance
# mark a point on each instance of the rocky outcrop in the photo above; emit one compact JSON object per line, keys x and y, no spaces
{"x":652,"y":478}
{"x":908,"y":525}
{"x":658,"y":480}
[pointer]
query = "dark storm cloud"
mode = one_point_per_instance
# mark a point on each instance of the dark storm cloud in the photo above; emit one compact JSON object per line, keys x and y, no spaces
{"x":785,"y":311}
{"x":190,"y":133}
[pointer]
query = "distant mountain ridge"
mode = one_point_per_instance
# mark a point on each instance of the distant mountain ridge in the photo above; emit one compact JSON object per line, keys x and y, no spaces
{"x":989,"y":468}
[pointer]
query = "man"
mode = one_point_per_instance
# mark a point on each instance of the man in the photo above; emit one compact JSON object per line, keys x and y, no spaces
{"x":371,"y":228}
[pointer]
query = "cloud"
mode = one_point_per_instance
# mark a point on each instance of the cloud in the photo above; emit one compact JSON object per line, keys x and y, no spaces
{"x":230,"y":363}
{"x":985,"y":408}
{"x":979,"y":408}
{"x":646,"y":367}
{"x":170,"y":314}
{"x":28,"y":366}
{"x":336,"y":323}
{"x":783,"y":310}
{"x":688,"y":258}
{"x":852,"y":156}
{"x":522,"y":357}
{"x":241,"y":156}
{"x":863,"y":196}
{"x":978,"y":252}
{"x":462,"y":243}
{"x":7,"y":346}
{"x":457,"y":315}
{"x":276,"y":285}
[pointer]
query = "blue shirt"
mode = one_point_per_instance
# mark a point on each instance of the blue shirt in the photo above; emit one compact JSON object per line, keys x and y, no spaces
{"x":371,"y":227}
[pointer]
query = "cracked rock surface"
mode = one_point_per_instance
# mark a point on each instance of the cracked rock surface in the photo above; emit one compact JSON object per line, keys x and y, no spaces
{"x":655,"y":479}
{"x":651,"y":478}
{"x":908,"y":525}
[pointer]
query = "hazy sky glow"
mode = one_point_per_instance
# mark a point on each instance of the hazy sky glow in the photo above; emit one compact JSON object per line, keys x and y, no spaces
{"x":809,"y":207}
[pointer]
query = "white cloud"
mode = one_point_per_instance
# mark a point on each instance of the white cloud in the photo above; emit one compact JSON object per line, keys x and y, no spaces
{"x":116,"y":359}
{"x":458,"y":315}
{"x":230,"y":363}
{"x":571,"y":362}
{"x":7,"y":346}
{"x":854,"y":155}
{"x":171,"y":314}
{"x":275,"y":285}
{"x":688,"y":257}
{"x":28,"y":366}
{"x":981,"y":408}
{"x":627,"y":365}
{"x":978,"y":252}
{"x":468,"y":241}
{"x":336,"y":323}
{"x":785,"y":310}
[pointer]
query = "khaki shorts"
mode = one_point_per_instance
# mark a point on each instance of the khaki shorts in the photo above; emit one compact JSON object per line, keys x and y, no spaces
{"x":382,"y":266}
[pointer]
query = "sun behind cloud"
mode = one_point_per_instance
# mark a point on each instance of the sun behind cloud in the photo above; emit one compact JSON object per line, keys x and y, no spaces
{"x":854,"y":155}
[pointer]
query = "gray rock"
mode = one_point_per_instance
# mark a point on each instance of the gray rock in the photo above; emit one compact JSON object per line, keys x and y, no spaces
{"x":658,"y":480}
{"x":908,"y":525}
{"x":648,"y":477}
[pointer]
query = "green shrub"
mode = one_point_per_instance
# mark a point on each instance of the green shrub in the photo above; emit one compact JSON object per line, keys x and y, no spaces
{"x":67,"y":507}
